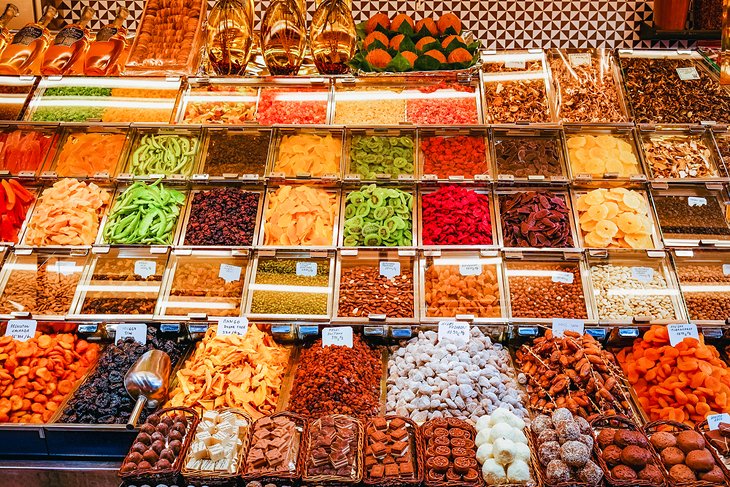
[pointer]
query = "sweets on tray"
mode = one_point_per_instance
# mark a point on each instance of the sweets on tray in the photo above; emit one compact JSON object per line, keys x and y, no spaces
{"x":451,"y":379}
{"x":232,"y":371}
{"x":444,"y":103}
{"x":391,"y":451}
{"x":354,"y":390}
{"x":378,"y":216}
{"x":335,"y":444}
{"x":564,"y":444}
{"x":88,"y":154}
{"x":685,"y":455}
{"x":446,"y":462}
{"x":572,"y":372}
{"x":502,"y":448}
{"x":218,"y":443}
{"x":14,"y":203}
{"x":683,"y":383}
{"x":165,"y":99}
{"x":535,"y":219}
{"x":67,"y":213}
{"x":369,"y":106}
{"x":309,"y":153}
{"x":452,"y":215}
{"x":222,"y":216}
{"x":624,"y":452}
{"x":599,"y":155}
{"x":300,"y":216}
{"x":37,"y":375}
{"x":276,"y":445}
{"x":292,"y":106}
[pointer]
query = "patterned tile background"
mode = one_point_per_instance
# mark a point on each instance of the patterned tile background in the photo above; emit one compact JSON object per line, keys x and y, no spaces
{"x":501,"y":24}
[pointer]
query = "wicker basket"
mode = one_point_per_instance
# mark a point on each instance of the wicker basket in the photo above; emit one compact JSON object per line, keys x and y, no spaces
{"x":416,"y":444}
{"x":624,"y":423}
{"x":200,"y":478}
{"x":676,"y":427}
{"x":542,"y":474}
{"x":441,"y":422}
{"x":703,"y":428}
{"x":170,"y":475}
{"x":283,"y":478}
{"x":334,"y":480}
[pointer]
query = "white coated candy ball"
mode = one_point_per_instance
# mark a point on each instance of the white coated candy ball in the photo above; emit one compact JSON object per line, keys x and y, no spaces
{"x":522,"y":452}
{"x":502,"y":430}
{"x":502,"y":415}
{"x":482,"y":423}
{"x":482,"y":437}
{"x":493,"y":472}
{"x":503,"y":451}
{"x":518,"y":471}
{"x":484,"y":452}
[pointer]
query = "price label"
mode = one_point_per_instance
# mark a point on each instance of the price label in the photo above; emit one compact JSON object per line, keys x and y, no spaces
{"x":561,"y":325}
{"x":229,"y":273}
{"x":389,"y":269}
{"x":714,"y":420}
{"x":307,"y":269}
{"x":642,"y":274}
{"x":470,"y":269}
{"x":580,"y":59}
{"x":454,"y":330}
{"x":21,"y":330}
{"x":726,"y":269}
{"x":696,"y":201}
{"x":233,"y":326}
{"x":65,"y":267}
{"x":687,"y":74}
{"x":679,"y":332}
{"x":138,"y":331}
{"x":564,"y":277}
{"x":338,"y":335}
{"x":514,"y":64}
{"x":145,"y":268}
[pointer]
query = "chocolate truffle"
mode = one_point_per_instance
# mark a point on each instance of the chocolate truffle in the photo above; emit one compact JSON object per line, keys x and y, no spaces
{"x":715,"y":475}
{"x":700,"y":460}
{"x":682,"y":473}
{"x":548,"y":452}
{"x":689,"y":440}
{"x":652,"y":474}
{"x":574,"y":453}
{"x":663,"y":439}
{"x":590,"y":473}
{"x":622,"y":472}
{"x":672,"y":456}
{"x":547,"y":435}
{"x":626,"y":437}
{"x":635,"y":456}
{"x":557,"y":472}
{"x":605,"y":437}
{"x":611,"y":455}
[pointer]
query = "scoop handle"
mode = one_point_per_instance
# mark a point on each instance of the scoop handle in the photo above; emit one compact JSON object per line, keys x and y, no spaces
{"x":136,"y":412}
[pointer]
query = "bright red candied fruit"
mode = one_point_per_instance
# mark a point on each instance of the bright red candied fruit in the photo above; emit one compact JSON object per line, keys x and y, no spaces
{"x":462,"y":155}
{"x":292,"y":106}
{"x":456,"y":216}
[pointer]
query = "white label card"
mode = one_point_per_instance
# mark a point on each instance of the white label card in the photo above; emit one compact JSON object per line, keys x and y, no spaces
{"x":714,"y":420}
{"x":307,"y":269}
{"x":564,"y":277}
{"x":680,"y":331}
{"x":561,"y":325}
{"x":726,"y":269}
{"x":138,"y":331}
{"x":696,"y":201}
{"x":21,"y":330}
{"x":470,"y":269}
{"x":145,"y":268}
{"x":687,"y":74}
{"x":389,"y":268}
{"x":233,"y":326}
{"x":514,"y":64}
{"x":454,"y":330}
{"x":642,"y":274}
{"x":338,"y":335}
{"x":229,"y":273}
{"x":65,"y":267}
{"x":580,"y":59}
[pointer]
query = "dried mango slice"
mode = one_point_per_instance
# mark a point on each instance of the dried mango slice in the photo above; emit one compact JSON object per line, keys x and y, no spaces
{"x":300,"y":215}
{"x":313,"y":154}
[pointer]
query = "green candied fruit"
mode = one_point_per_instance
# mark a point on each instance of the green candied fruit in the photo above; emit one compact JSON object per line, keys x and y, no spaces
{"x":372,"y":155}
{"x":77,"y":91}
{"x":67,"y":114}
{"x":378,"y":217}
{"x":283,"y":272}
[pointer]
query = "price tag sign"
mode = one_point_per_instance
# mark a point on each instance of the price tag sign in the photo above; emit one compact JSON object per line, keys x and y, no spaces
{"x":564,"y":277}
{"x":21,"y":330}
{"x":229,"y":273}
{"x":680,"y":331}
{"x":642,"y":274}
{"x":696,"y":201}
{"x":580,"y":59}
{"x":454,"y":330}
{"x":339,"y":335}
{"x":389,"y":269}
{"x":714,"y":420}
{"x":65,"y":267}
{"x":138,"y":331}
{"x":145,"y":268}
{"x":688,"y":74}
{"x":726,"y":269}
{"x":514,"y":64}
{"x":561,"y":325}
{"x":307,"y":269}
{"x":232,"y":326}
{"x":469,"y":269}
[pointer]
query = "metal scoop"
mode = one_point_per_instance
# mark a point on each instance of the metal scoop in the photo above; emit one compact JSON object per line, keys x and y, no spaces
{"x":147,"y":382}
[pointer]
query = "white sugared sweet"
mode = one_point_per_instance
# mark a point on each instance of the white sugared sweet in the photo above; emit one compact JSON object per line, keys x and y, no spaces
{"x":217,"y":442}
{"x":518,"y":471}
{"x":503,"y":451}
{"x":522,"y":452}
{"x":493,"y":472}
{"x":501,"y":430}
{"x":502,"y":415}
{"x":482,"y":437}
{"x":484,"y":452}
{"x":483,"y":423}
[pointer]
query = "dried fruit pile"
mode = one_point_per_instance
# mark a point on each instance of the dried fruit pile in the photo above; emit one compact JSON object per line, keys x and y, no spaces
{"x":292,"y":106}
{"x":376,"y":216}
{"x":615,"y":218}
{"x":599,"y":155}
{"x":300,"y":215}
{"x":453,"y":215}
{"x":535,"y":219}
{"x":14,"y":203}
{"x":374,"y":155}
{"x":462,"y":155}
{"x":309,"y":153}
{"x":88,"y":154}
{"x":222,"y":216}
{"x":23,"y":150}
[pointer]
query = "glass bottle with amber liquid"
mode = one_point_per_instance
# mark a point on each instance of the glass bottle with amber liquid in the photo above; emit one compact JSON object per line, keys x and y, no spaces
{"x":28,"y":44}
{"x":106,"y":48}
{"x":332,"y":37}
{"x":230,"y":36}
{"x":11,"y":11}
{"x":69,"y":45}
{"x":283,"y":37}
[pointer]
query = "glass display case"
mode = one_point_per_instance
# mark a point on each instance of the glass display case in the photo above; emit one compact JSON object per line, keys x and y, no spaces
{"x":465,"y":285}
{"x":15,"y":94}
{"x":704,"y":279}
{"x":454,"y":155}
{"x":529,"y":155}
{"x":370,"y":101}
{"x":109,"y":100}
{"x":291,"y":285}
{"x":157,"y":152}
{"x":379,"y":215}
{"x":292,"y":101}
{"x":443,"y":101}
{"x":597,"y":152}
{"x":634,"y":287}
{"x":13,"y":222}
{"x":209,"y":283}
{"x":376,"y":286}
{"x":232,"y":154}
{"x":88,"y":152}
{"x":26,"y":148}
{"x":40,"y":284}
{"x":380,"y":154}
{"x":516,"y":88}
{"x":722,"y":140}
{"x":546,"y":286}
{"x":121,"y":283}
{"x":692,"y":216}
{"x":218,"y":101}
{"x":306,"y":154}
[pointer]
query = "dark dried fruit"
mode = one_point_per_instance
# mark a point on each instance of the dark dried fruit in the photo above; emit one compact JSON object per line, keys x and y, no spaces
{"x":222,"y":216}
{"x":535,"y":219}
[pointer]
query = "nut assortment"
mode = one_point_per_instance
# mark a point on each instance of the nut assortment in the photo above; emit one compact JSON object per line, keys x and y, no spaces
{"x":546,"y":290}
{"x":703,"y":301}
{"x":365,"y":291}
{"x":680,"y":157}
{"x":201,"y":286}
